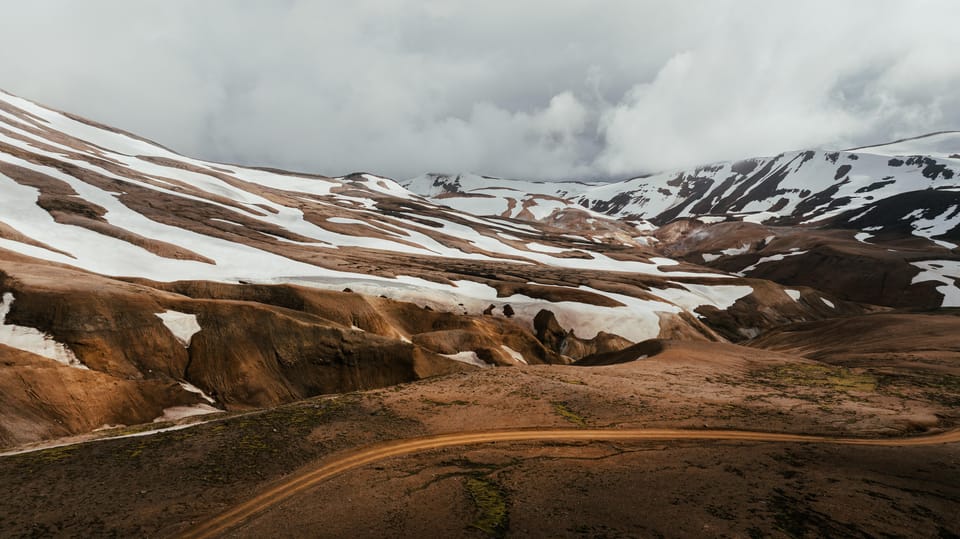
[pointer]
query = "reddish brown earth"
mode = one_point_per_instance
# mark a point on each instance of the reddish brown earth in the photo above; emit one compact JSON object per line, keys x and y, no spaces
{"x":164,"y":484}
{"x":832,"y":342}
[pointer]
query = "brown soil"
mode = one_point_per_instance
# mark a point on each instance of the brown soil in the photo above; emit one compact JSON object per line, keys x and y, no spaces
{"x":163,"y":484}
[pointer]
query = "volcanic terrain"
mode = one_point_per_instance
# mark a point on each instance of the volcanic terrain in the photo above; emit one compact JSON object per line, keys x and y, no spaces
{"x":766,"y":347}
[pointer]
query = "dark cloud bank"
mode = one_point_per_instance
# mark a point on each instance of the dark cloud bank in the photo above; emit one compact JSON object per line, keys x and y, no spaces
{"x":536,"y":89}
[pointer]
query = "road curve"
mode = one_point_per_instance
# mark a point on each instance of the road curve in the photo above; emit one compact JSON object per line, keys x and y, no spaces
{"x":362,"y":457}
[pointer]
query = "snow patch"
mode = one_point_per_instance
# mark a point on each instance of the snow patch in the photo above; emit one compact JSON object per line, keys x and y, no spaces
{"x":469,"y":358}
{"x":945,"y":244}
{"x":692,"y":296}
{"x":183,"y":326}
{"x":194,"y":389}
{"x":179,"y":412}
{"x":541,"y":248}
{"x":516,"y":356}
{"x":736,"y":250}
{"x":828,"y":303}
{"x":33,"y":340}
{"x":794,"y":294}
{"x":759,"y":217}
{"x":944,"y":271}
{"x":772,"y":258}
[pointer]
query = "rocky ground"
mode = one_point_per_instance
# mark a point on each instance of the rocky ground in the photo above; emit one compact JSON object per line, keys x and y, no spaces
{"x":162,"y":484}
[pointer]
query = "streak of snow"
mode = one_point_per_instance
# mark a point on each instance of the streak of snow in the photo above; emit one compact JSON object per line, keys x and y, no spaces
{"x":736,"y":250}
{"x":179,"y":412}
{"x":469,"y":358}
{"x":194,"y":389}
{"x":773,"y":258}
{"x":516,"y":356}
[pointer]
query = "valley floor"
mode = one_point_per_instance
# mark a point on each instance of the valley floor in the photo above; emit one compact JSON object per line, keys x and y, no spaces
{"x":170,"y":483}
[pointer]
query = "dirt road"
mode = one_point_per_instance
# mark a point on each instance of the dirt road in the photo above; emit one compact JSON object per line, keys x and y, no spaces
{"x":293,"y":486}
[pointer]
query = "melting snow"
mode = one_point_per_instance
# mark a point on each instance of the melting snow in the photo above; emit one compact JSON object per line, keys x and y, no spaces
{"x":516,"y":356}
{"x":863,"y":237}
{"x":696,"y":295}
{"x":194,"y":389}
{"x":33,"y":340}
{"x":737,"y":250}
{"x":773,"y":258}
{"x":541,"y":248}
{"x":179,"y":412}
{"x":469,"y":358}
{"x":946,"y":244}
{"x":183,"y":326}
{"x":944,"y":271}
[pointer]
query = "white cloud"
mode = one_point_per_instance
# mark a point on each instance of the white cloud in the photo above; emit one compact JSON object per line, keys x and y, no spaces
{"x":535,"y":89}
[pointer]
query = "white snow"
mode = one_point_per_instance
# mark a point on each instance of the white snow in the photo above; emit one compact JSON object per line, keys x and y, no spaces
{"x":691,"y":296}
{"x":794,"y":294}
{"x":543,"y":208}
{"x":179,"y":412}
{"x":773,"y":258}
{"x":945,"y":244}
{"x":710,"y":257}
{"x":516,"y":356}
{"x":33,"y":340}
{"x":541,"y":248}
{"x":469,"y":358}
{"x":710,"y":219}
{"x":944,"y":271}
{"x":863,"y":237}
{"x":736,"y":250}
{"x":759,"y":217}
{"x":194,"y":389}
{"x":828,"y":303}
{"x":183,"y":326}
{"x":936,"y":225}
{"x":346,"y":221}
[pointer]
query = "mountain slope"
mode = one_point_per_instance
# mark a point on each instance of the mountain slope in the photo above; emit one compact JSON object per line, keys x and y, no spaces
{"x":202,"y":286}
{"x":791,"y":188}
{"x":894,"y":212}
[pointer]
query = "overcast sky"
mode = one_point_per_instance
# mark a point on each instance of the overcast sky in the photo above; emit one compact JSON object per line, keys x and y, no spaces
{"x":536,"y":89}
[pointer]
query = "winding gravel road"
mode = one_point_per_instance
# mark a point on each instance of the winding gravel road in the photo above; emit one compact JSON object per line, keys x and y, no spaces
{"x":296,"y":485}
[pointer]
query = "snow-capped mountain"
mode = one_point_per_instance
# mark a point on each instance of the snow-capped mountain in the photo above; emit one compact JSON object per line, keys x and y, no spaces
{"x":189,"y":284}
{"x":907,"y":186}
{"x":151,"y":285}
{"x":888,"y":215}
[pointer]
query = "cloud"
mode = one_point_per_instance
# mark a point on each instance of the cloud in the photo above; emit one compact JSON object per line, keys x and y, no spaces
{"x":535,"y":89}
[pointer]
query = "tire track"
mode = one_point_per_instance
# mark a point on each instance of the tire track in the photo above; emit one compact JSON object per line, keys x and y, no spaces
{"x":291,"y":487}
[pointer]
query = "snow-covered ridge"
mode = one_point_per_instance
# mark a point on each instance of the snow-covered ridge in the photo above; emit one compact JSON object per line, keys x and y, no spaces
{"x":101,"y":200}
{"x":790,"y":188}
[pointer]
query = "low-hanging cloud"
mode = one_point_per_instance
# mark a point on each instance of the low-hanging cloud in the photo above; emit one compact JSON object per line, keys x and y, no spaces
{"x":535,"y":89}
